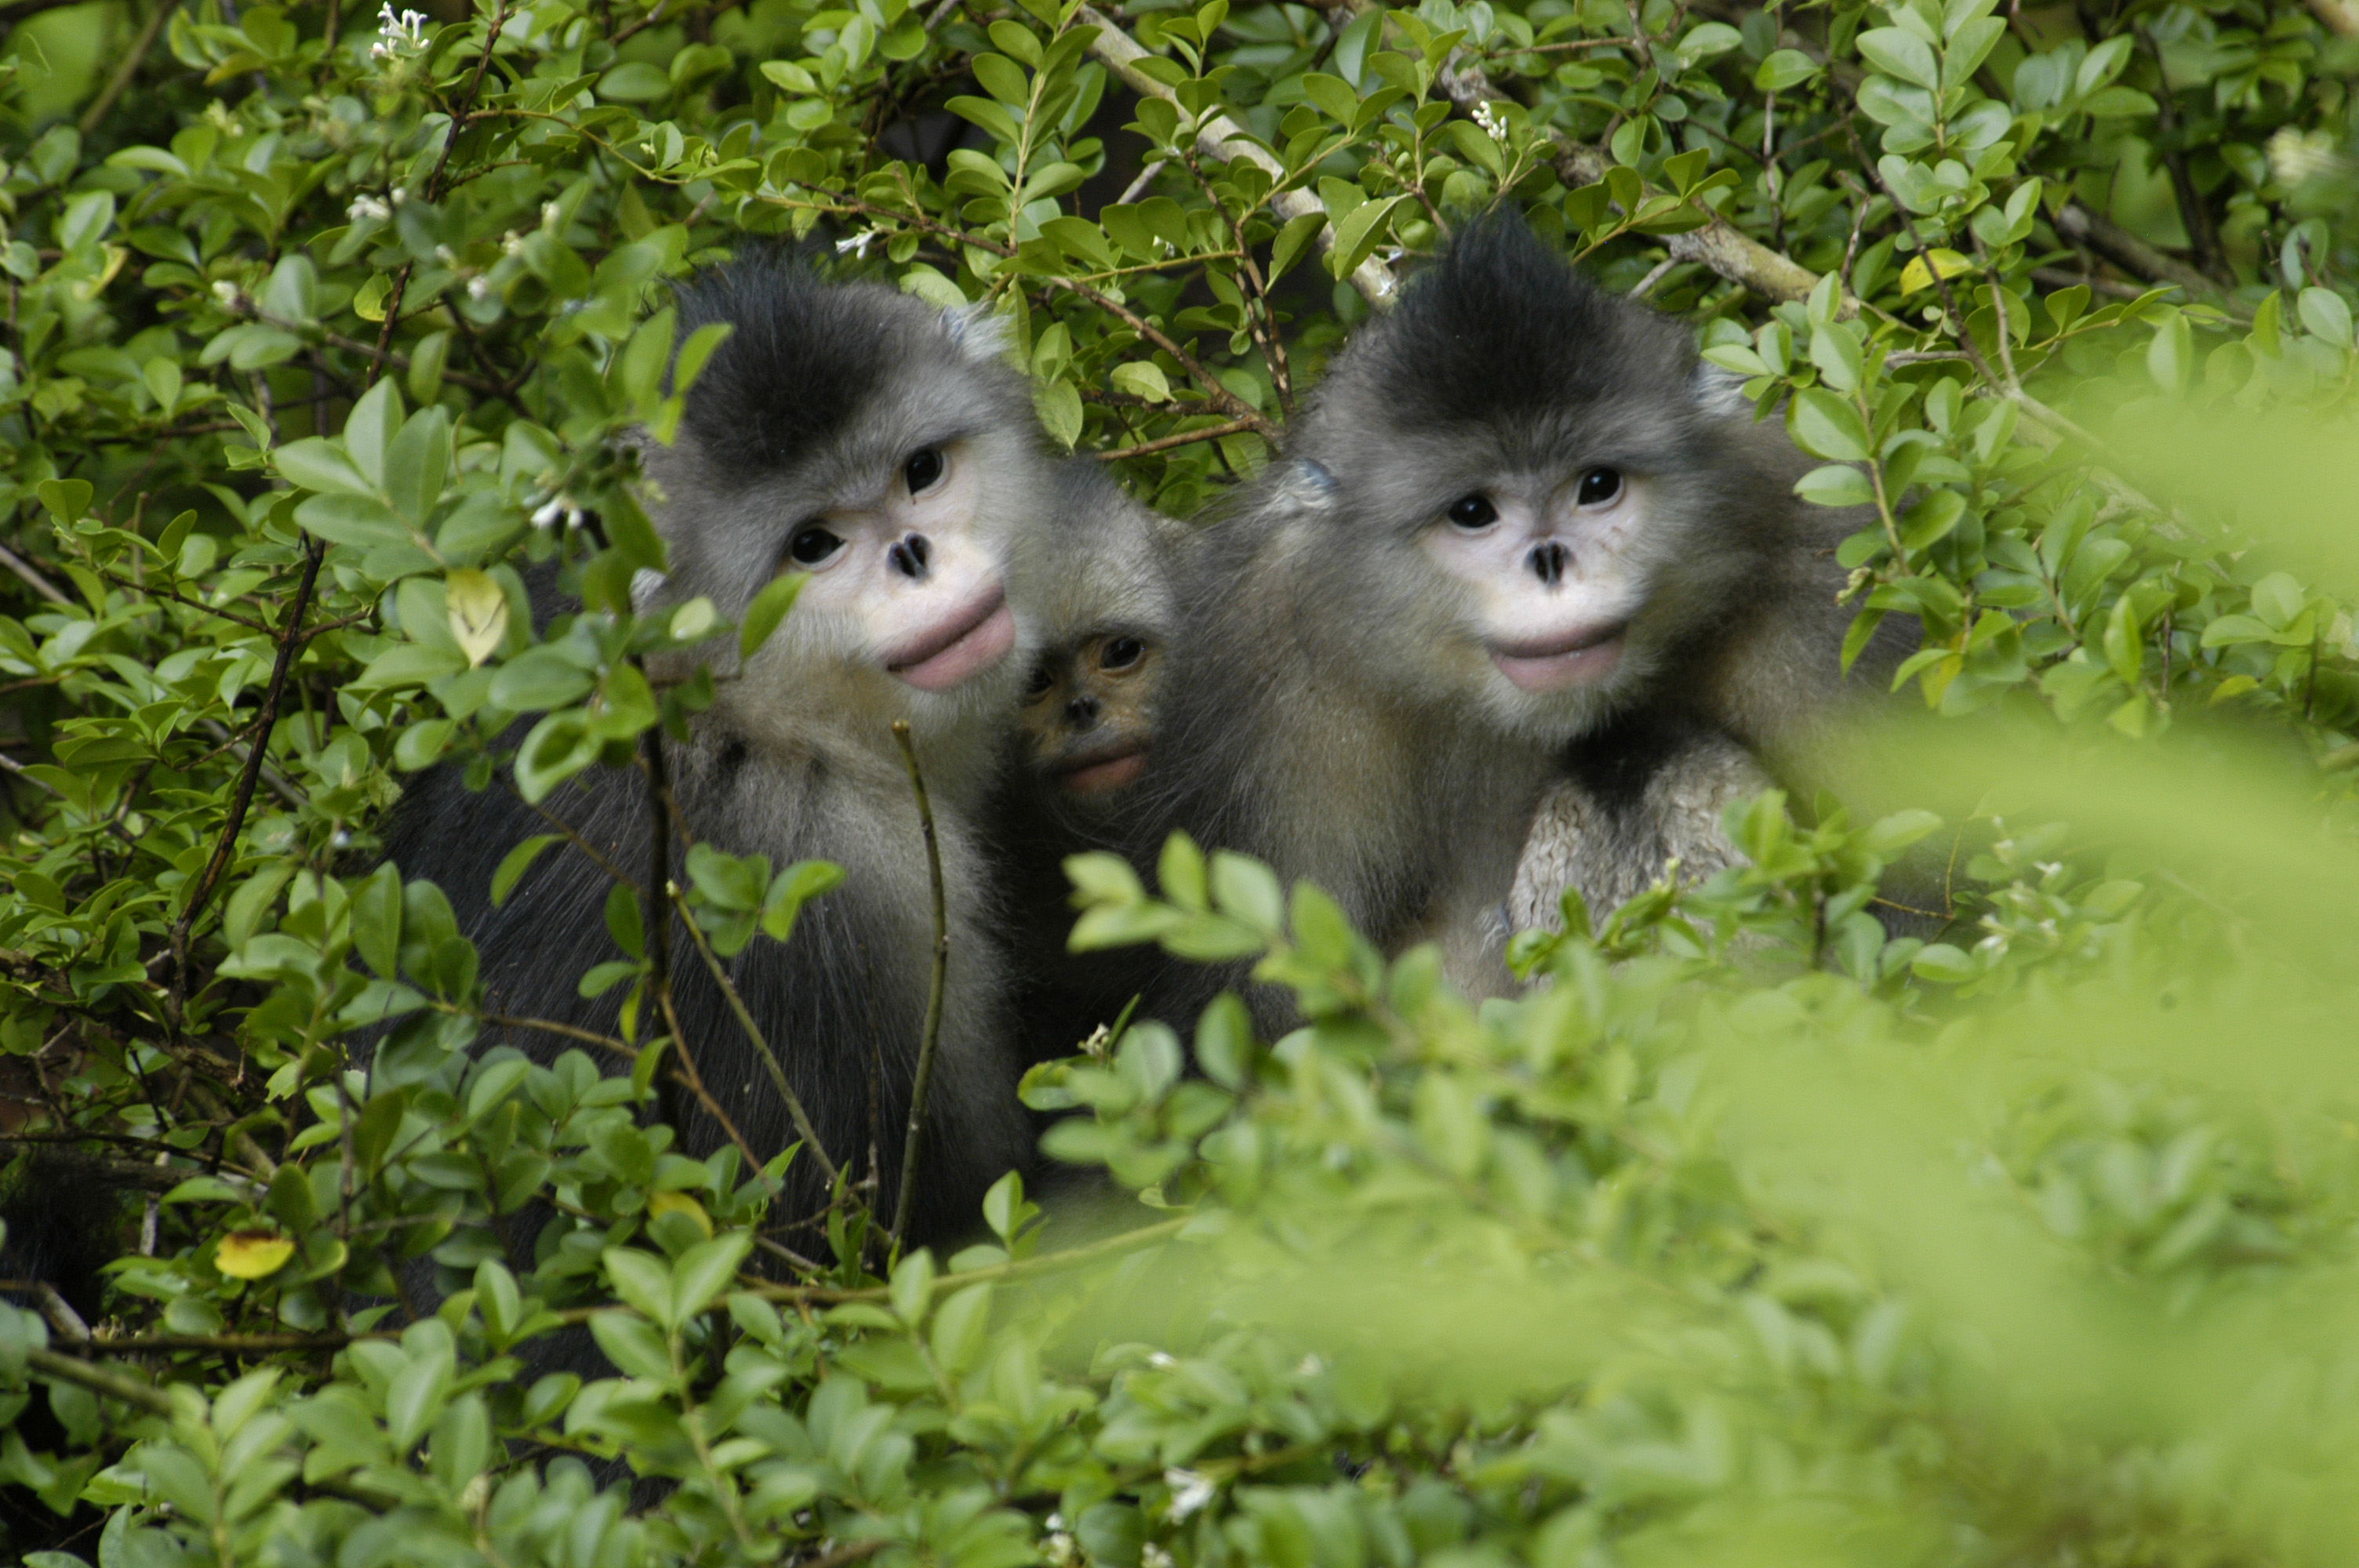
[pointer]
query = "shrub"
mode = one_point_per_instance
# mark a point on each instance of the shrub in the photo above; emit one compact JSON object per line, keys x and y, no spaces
{"x":1748,"y":1234}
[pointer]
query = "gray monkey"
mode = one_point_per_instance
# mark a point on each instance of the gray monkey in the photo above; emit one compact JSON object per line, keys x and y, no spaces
{"x":1520,"y":513}
{"x":853,"y":433}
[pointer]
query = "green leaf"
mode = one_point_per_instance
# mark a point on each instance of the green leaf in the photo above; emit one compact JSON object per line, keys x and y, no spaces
{"x":1785,"y":68}
{"x":1899,"y":53}
{"x":1824,"y":426}
{"x":66,"y":499}
{"x":377,"y":921}
{"x":704,"y":1271}
{"x":768,"y":609}
{"x":1835,"y":484}
{"x":515,"y":862}
{"x":2326,"y":315}
{"x":642,"y":1282}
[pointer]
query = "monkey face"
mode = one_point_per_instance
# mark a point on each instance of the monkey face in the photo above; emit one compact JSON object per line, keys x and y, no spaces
{"x":911,"y":570}
{"x":1088,"y":714}
{"x":1552,"y":580}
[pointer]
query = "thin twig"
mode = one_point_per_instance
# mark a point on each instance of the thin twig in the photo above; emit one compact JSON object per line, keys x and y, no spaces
{"x":39,"y":584}
{"x":761,"y":1045}
{"x":1215,"y":391}
{"x":913,"y":1148}
{"x":656,"y":909}
{"x":121,"y":582}
{"x":1223,"y":138}
{"x":1165,"y":443}
{"x":291,"y":638}
{"x":148,"y":32}
{"x":12,"y":767}
{"x":99,"y":1380}
{"x":280,"y":786}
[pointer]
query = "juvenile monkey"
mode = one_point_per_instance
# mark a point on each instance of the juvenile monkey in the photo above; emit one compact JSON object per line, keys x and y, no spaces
{"x":850,"y":432}
{"x":1518,"y":511}
{"x":1088,"y":723}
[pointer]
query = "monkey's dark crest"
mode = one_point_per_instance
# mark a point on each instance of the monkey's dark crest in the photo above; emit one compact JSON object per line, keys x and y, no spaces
{"x":1518,"y":511}
{"x":854,"y":433}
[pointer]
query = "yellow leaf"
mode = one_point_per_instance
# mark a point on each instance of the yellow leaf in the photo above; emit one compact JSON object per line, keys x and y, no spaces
{"x":251,"y":1254}
{"x":479,"y":612}
{"x":2234,"y":686}
{"x":369,"y":303}
{"x":1916,"y":274}
{"x":679,"y":1203}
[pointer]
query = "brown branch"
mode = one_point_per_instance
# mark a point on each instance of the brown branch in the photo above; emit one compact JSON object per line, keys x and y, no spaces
{"x":121,"y":582}
{"x":913,"y":1146}
{"x":761,"y":1044}
{"x":39,"y":584}
{"x":99,"y":1380}
{"x":2129,"y":253}
{"x":1222,"y":137}
{"x":1215,"y":392}
{"x":291,"y":638}
{"x":1164,"y":444}
{"x":138,"y":55}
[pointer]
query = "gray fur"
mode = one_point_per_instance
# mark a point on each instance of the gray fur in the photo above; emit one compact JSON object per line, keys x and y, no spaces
{"x":1612,"y":850}
{"x":794,"y":759}
{"x":1340,"y":720}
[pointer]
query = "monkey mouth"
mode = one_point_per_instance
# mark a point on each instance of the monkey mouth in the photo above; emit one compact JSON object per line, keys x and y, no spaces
{"x":971,"y":639}
{"x":1552,"y":663}
{"x":1108,"y":767}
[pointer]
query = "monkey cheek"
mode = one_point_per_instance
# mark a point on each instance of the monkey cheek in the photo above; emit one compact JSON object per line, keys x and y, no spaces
{"x":975,"y":651}
{"x":1557,"y":672}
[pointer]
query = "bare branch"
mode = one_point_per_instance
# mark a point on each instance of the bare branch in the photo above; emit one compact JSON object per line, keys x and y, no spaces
{"x":1219,"y":136}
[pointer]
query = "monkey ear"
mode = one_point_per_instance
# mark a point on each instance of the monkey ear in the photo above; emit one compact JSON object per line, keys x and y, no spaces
{"x":1305,"y":485}
{"x":1717,"y":392}
{"x":979,"y":332}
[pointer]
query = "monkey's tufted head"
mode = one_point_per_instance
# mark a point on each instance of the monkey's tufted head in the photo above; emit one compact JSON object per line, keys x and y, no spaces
{"x":1528,"y":488}
{"x":854,"y":433}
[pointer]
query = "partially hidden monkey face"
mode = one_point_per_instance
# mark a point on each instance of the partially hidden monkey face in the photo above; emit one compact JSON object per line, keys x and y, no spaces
{"x":1088,"y":714}
{"x":1550,"y":578}
{"x":910,"y":571}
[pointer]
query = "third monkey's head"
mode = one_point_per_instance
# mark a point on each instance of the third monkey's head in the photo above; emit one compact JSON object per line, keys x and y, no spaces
{"x":1088,"y":717}
{"x":1088,"y":714}
{"x":1526,"y":491}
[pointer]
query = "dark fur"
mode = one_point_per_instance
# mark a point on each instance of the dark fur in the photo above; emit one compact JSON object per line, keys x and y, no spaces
{"x":1117,"y":564}
{"x":822,"y":384}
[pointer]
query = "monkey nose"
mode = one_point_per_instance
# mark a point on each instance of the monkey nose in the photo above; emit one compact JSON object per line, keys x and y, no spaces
{"x":908,"y":556}
{"x":1548,"y":561}
{"x":1082,"y":711}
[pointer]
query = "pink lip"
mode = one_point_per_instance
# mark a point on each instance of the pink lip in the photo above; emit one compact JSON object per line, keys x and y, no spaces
{"x":977,"y":637}
{"x":1104,"y":770}
{"x":1556,"y":663}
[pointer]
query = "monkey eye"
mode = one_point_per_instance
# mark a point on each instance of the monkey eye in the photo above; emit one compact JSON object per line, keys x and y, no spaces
{"x":1598,"y":486}
{"x":923,"y":470}
{"x":813,"y":544}
{"x":1037,"y":686}
{"x":1472,"y":512}
{"x":1121,"y":652}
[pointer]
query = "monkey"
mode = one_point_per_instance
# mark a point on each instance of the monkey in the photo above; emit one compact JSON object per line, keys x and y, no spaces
{"x":1089,"y":731}
{"x":1516,"y":511}
{"x":850,"y":432}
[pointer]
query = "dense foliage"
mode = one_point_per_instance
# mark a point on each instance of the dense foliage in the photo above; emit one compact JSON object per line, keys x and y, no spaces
{"x":1750,"y":1235}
